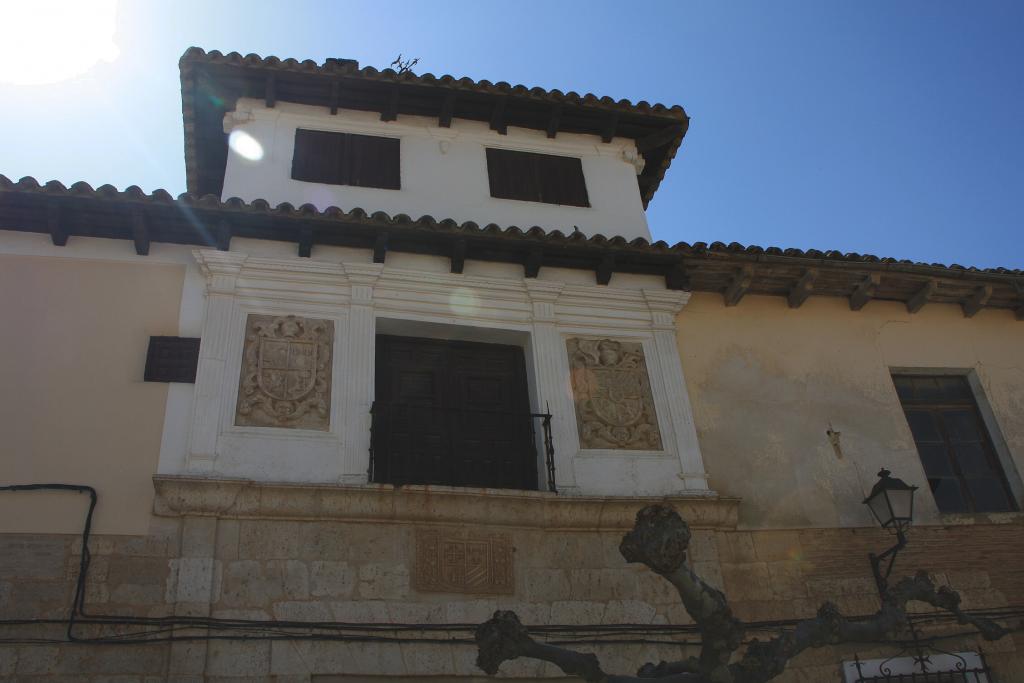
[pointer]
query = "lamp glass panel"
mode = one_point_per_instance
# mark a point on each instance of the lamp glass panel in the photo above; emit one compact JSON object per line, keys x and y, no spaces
{"x":902,"y":502}
{"x":879,"y":505}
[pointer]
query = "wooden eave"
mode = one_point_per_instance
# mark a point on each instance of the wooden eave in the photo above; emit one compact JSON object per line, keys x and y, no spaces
{"x":732,"y":270}
{"x":212,"y":83}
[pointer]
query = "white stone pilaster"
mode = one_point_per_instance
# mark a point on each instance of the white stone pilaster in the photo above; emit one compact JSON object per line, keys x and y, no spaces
{"x":221,"y":269}
{"x":664,"y":305}
{"x":360,"y":352}
{"x":551,"y":364}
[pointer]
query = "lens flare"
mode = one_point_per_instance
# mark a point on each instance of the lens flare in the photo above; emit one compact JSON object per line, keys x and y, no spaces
{"x":50,"y":42}
{"x":245,"y":145}
{"x":464,"y":301}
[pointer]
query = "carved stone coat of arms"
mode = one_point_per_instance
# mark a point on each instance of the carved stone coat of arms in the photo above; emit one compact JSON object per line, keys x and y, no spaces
{"x":612,"y":392}
{"x":286,"y":373}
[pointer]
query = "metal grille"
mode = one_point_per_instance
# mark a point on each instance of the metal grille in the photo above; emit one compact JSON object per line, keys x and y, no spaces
{"x":966,"y":676}
{"x":939,"y":667}
{"x":381,"y":416}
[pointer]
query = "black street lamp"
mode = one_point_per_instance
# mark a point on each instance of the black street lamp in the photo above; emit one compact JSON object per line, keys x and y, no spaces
{"x":891,"y":501}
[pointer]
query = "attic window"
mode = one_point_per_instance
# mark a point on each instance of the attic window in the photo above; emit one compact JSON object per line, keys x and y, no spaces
{"x":346,"y":159}
{"x":535,"y":177}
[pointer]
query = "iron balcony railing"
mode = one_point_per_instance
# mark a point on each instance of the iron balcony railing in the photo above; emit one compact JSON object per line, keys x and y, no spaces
{"x":382,"y":415}
{"x":952,"y":669}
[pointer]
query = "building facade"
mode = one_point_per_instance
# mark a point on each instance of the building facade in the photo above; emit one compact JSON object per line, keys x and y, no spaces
{"x":326,"y":442}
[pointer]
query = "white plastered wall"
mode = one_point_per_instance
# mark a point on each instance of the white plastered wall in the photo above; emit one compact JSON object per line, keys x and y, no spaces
{"x":410,"y":294}
{"x":443,"y":170}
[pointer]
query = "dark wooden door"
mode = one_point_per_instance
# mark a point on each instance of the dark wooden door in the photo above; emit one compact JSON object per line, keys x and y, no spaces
{"x":452,"y":413}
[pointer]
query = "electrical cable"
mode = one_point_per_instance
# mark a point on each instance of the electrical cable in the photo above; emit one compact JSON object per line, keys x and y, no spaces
{"x":170,"y":628}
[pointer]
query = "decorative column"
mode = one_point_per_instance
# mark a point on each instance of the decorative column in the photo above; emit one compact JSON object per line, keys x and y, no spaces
{"x":664,"y":305}
{"x":221,"y":269}
{"x":360,"y":354}
{"x":551,"y":364}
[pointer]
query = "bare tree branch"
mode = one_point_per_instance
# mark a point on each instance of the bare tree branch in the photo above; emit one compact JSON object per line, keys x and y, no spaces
{"x":659,"y":540}
{"x":764,"y":661}
{"x":503,"y":637}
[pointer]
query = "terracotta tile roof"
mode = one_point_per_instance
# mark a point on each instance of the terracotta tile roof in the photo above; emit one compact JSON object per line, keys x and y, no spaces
{"x":211,"y":82}
{"x":27,"y":205}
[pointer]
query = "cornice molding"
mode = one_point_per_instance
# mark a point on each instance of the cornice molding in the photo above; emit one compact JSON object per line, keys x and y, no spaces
{"x":180,"y":496}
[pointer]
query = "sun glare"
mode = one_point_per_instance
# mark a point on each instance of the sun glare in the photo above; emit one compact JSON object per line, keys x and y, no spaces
{"x":50,"y":42}
{"x":245,"y":145}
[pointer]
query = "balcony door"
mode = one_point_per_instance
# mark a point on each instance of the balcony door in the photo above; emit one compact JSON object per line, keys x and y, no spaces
{"x":452,"y":413}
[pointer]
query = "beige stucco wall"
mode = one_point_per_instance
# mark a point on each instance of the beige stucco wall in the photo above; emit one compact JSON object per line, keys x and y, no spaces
{"x":74,"y":408}
{"x":767,"y":381}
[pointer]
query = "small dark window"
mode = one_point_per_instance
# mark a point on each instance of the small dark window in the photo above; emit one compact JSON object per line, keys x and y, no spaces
{"x":536,"y":177}
{"x":963,"y":470}
{"x":346,"y":159}
{"x":172,"y":359}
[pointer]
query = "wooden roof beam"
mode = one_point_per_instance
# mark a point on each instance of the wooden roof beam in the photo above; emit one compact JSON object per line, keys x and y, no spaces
{"x":270,"y":90}
{"x":739,"y":286}
{"x":380,"y":247}
{"x":610,"y":125}
{"x":534,"y":260}
{"x":865,"y":291}
{"x":335,"y":87}
{"x":222,"y":235}
{"x":603,"y":274}
{"x":677,"y":278}
{"x":140,"y":232}
{"x":554,"y":120}
{"x":976,"y":301}
{"x":922,"y":296}
{"x":444,"y":119}
{"x":305,"y":242}
{"x":498,"y":116}
{"x":458,"y":256}
{"x":803,"y":288}
{"x":58,"y":231}
{"x":390,"y":112}
{"x":658,"y":139}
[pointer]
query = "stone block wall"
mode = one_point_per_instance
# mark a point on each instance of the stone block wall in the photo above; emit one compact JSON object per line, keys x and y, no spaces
{"x":363,"y":572}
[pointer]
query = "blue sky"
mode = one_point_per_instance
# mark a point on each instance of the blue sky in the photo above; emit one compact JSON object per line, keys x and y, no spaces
{"x":892,"y":128}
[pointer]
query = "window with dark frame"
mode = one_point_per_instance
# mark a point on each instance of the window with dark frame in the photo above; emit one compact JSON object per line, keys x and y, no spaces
{"x":963,"y":469}
{"x":533,"y":177}
{"x":346,"y":159}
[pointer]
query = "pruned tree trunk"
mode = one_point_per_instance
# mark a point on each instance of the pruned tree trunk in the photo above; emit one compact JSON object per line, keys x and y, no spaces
{"x":659,"y":540}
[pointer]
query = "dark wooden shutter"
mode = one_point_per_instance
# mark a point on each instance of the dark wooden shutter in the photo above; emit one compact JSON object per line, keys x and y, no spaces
{"x":452,"y":413}
{"x":317,"y":157}
{"x":374,"y":162}
{"x":532,"y":177}
{"x":172,"y":359}
{"x":513,"y":175}
{"x":346,"y":159}
{"x":562,"y":181}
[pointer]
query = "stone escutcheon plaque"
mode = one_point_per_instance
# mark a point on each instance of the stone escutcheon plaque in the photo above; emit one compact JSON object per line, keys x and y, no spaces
{"x":286,"y":373}
{"x":612,"y":393}
{"x":453,"y":562}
